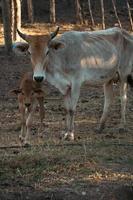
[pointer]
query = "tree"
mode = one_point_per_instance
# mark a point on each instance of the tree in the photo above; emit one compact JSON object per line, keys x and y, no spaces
{"x":115,"y":10}
{"x":6,"y":14}
{"x":103,"y":18}
{"x":78,"y":12}
{"x":52,"y":11}
{"x":91,"y":15}
{"x":15,"y":18}
{"x":30,"y":11}
{"x":130,"y":15}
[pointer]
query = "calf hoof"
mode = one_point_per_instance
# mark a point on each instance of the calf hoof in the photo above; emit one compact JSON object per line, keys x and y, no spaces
{"x":122,"y":129}
{"x":26,"y":144}
{"x":21,"y":138}
{"x":99,"y":130}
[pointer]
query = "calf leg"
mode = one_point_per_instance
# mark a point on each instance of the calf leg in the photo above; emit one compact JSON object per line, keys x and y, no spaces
{"x":123,"y":94}
{"x":108,"y":94}
{"x":70,"y":101}
{"x":23,"y":122}
{"x":28,"y":126}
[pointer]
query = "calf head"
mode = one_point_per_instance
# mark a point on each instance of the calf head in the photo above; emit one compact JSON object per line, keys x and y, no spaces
{"x":27,"y":94}
{"x":38,"y":48}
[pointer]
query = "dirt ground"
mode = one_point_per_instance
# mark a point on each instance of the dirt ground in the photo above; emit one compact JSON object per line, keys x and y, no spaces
{"x":93,"y":167}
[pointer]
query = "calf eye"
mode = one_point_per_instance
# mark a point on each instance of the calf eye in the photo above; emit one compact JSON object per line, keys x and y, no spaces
{"x":29,"y":53}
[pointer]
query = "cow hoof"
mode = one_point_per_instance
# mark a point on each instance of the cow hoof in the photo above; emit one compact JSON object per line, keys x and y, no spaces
{"x":64,"y":136}
{"x":71,"y":136}
{"x":67,"y":136}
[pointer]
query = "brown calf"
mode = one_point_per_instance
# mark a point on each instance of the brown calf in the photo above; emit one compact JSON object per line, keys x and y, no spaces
{"x":29,"y":94}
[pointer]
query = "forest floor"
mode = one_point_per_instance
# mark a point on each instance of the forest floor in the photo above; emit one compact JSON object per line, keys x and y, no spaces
{"x":93,"y":167}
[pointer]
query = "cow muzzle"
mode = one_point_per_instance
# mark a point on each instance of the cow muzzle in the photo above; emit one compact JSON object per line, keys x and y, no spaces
{"x":38,"y":79}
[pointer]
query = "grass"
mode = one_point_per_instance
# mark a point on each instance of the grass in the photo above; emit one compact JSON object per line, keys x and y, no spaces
{"x":60,"y":164}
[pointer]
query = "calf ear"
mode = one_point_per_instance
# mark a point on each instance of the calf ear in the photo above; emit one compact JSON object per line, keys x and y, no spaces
{"x":56,"y":45}
{"x":20,"y":47}
{"x":15,"y":91}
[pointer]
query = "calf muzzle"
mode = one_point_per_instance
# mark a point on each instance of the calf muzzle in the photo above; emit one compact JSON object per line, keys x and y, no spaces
{"x":27,"y":105}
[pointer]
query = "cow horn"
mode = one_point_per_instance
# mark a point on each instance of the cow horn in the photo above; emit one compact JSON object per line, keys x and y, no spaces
{"x":22,"y":35}
{"x":52,"y":35}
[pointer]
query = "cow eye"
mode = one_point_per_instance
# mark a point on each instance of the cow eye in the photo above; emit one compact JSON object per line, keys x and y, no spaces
{"x":47,"y":52}
{"x":22,"y":93}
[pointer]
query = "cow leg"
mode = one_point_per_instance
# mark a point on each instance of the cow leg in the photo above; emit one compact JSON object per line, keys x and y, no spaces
{"x":70,"y":101}
{"x":123,"y":94}
{"x":42,"y":114}
{"x":108,"y":95}
{"x":23,"y":123}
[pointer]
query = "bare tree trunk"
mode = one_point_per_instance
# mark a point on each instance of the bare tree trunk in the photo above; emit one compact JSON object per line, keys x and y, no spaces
{"x":115,"y":10}
{"x":52,"y":11}
{"x":6,"y":7}
{"x":30,"y":11}
{"x":78,"y":12}
{"x":103,"y":18}
{"x":16,"y":18}
{"x":91,"y":15}
{"x":130,"y":16}
{"x":13,"y":20}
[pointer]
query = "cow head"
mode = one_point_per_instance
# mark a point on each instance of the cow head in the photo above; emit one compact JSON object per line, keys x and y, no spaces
{"x":38,"y":48}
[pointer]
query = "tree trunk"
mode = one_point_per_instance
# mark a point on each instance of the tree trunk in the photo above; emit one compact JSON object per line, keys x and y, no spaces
{"x":6,"y":14}
{"x":103,"y":18}
{"x":78,"y":12}
{"x":30,"y":11}
{"x":16,"y":18}
{"x":91,"y":15}
{"x":130,"y":16}
{"x":52,"y":11}
{"x":115,"y":10}
{"x":13,"y":20}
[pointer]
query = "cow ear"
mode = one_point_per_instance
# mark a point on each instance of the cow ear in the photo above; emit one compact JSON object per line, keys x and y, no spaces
{"x":56,"y":45}
{"x":20,"y":47}
{"x":15,"y":91}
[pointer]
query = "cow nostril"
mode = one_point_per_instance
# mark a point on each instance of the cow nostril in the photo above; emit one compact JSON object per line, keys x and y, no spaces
{"x":27,"y":105}
{"x":38,"y":78}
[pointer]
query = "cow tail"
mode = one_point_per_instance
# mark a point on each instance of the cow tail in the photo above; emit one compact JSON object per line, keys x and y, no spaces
{"x":130,"y":80}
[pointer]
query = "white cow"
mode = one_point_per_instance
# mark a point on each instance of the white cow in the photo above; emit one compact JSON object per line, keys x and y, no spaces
{"x":74,"y":57}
